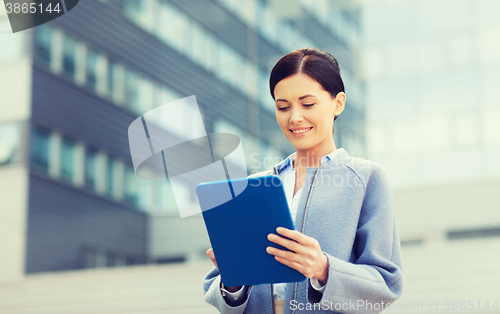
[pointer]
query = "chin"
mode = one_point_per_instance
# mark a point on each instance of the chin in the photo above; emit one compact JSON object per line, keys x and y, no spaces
{"x":302,"y":146}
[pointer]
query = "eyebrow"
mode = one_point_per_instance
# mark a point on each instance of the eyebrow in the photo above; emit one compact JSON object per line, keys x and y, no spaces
{"x":300,"y":98}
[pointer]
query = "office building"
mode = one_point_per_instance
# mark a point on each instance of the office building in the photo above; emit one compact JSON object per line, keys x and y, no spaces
{"x":71,"y":87}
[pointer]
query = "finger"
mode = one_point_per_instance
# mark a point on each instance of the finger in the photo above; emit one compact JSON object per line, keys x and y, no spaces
{"x":297,"y":236}
{"x":300,"y":267}
{"x":211,"y":255}
{"x":284,"y":242}
{"x":288,"y":255}
{"x":292,"y":264}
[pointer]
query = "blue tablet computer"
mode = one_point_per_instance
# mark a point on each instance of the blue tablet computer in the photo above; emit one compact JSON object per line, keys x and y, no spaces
{"x":238,"y":229}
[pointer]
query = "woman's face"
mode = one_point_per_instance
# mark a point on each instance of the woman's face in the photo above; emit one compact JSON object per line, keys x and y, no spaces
{"x":305,"y":111}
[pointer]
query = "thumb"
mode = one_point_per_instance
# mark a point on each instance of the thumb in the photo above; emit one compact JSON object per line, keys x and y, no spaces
{"x":211,"y":255}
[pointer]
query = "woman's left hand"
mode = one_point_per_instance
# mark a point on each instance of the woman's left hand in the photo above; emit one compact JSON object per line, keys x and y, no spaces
{"x":305,"y":255}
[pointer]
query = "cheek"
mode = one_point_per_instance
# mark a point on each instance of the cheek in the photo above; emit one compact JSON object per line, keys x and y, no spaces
{"x":321,"y":120}
{"x":282,"y":121}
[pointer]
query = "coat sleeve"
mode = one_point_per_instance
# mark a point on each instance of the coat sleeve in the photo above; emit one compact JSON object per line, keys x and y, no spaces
{"x":213,"y":295}
{"x":375,"y":280}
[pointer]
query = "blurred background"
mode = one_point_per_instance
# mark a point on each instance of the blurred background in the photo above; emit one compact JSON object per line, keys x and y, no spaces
{"x":81,"y":233}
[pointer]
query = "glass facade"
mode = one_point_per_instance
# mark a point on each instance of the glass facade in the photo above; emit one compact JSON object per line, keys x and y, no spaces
{"x":110,"y":176}
{"x":90,"y":167}
{"x":40,"y":148}
{"x":67,"y":159}
{"x":91,"y":77}
{"x":43,"y":44}
{"x":111,"y":78}
{"x":131,"y":187}
{"x":132,"y":89}
{"x":417,"y":65}
{"x":69,"y":55}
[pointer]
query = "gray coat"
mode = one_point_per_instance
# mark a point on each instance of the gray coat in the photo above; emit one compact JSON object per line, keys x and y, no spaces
{"x":348,"y":207}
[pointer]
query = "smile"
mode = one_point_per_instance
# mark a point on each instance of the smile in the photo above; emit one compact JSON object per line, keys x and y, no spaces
{"x":300,"y":132}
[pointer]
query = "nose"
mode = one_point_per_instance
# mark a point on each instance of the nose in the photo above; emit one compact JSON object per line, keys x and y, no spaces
{"x":296,"y":115}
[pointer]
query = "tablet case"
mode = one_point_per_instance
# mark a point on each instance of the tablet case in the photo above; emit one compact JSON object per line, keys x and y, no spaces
{"x":238,"y":230}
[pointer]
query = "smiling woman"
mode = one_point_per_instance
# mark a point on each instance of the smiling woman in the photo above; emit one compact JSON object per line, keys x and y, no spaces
{"x":346,"y":241}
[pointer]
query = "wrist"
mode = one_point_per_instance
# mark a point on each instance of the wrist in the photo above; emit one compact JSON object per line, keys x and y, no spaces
{"x":323,"y":274}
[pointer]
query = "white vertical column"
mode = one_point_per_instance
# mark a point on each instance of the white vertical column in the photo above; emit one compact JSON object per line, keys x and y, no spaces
{"x":119,"y":180}
{"x":81,"y":63}
{"x":100,"y":185}
{"x":101,"y":75}
{"x":57,"y":51}
{"x":79,"y":165}
{"x":55,"y":154}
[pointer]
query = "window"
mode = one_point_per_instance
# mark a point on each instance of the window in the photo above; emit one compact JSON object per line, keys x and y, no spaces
{"x":90,"y":167}
{"x":490,"y":126}
{"x":88,"y":257}
{"x":40,"y":148}
{"x":43,"y":43}
{"x":173,"y":26}
{"x":141,"y":12}
{"x":223,"y":126}
{"x":67,"y":159}
{"x":111,"y":78}
{"x":164,"y":196}
{"x":69,"y":53}
{"x":146,"y":95}
{"x":250,"y":82}
{"x":264,"y":95}
{"x":435,"y":131}
{"x":110,"y":259}
{"x":466,"y":129}
{"x":131,"y":89}
{"x":248,"y":12}
{"x":131,"y":187}
{"x":238,"y":74}
{"x":110,"y":176}
{"x":9,"y":143}
{"x":196,"y":42}
{"x":92,"y":69}
{"x":211,"y":52}
{"x":145,"y":194}
{"x":167,"y":95}
{"x":226,"y":63}
{"x":268,"y":27}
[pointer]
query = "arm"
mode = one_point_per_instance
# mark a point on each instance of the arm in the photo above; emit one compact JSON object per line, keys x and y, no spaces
{"x":234,"y":298}
{"x":212,"y":294}
{"x":376,"y":276}
{"x":316,"y":285}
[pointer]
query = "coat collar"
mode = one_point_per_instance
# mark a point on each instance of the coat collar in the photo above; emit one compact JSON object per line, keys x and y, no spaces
{"x":335,"y":158}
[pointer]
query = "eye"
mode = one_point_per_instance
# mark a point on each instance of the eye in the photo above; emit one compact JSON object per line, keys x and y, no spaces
{"x":282,"y":108}
{"x":308,"y":105}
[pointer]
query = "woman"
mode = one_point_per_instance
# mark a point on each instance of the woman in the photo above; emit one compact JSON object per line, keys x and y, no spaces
{"x":346,"y":240}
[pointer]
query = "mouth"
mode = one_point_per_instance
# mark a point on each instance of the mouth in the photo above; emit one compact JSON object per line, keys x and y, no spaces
{"x":300,"y":131}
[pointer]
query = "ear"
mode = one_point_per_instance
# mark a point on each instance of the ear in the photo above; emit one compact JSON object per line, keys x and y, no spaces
{"x":339,"y":103}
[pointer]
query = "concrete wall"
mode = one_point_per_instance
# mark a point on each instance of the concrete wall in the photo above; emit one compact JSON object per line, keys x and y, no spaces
{"x":429,"y":212}
{"x":13,"y":216}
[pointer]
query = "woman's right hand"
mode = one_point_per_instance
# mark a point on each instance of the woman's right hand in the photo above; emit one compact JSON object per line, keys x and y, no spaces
{"x":211,"y":255}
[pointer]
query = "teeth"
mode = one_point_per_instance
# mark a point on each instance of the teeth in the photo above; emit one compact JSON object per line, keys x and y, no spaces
{"x":301,"y":131}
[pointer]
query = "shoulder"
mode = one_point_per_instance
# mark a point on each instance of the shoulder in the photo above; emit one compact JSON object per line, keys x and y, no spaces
{"x":368,"y":171}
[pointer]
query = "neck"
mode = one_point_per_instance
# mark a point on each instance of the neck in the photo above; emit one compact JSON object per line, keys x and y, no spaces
{"x":312,"y":157}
